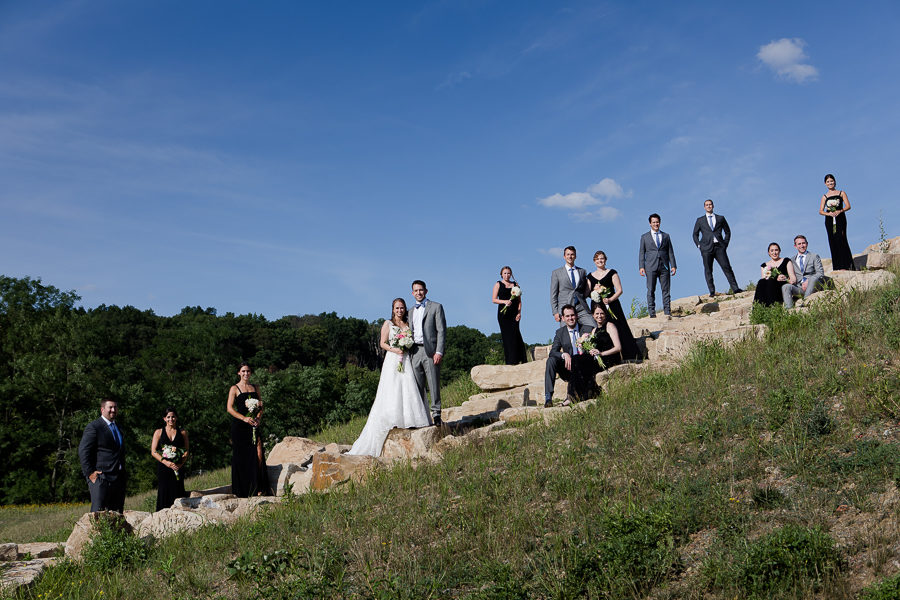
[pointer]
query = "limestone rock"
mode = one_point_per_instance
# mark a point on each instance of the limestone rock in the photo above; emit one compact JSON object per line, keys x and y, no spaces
{"x":541,"y":352}
{"x":331,"y":468}
{"x":170,"y":521}
{"x":280,"y":474}
{"x":135,"y":517}
{"x":251,"y":506}
{"x":501,"y":377}
{"x":861,"y":280}
{"x":879,"y":260}
{"x":893,"y":246}
{"x":23,"y":572}
{"x":224,"y":489}
{"x":405,"y":444}
{"x":336,"y":448}
{"x":41,"y":549}
{"x":227,"y":502}
{"x":9,"y":552}
{"x":684,"y":305}
{"x":300,"y":481}
{"x":295,"y":450}
{"x":675,"y":345}
{"x":86,"y":526}
{"x":529,"y":413}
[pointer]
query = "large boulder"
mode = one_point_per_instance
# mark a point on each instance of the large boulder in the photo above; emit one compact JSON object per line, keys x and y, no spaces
{"x":252,"y":506}
{"x":891,"y":245}
{"x":675,"y":345}
{"x":9,"y":552}
{"x":862,"y":280}
{"x":87,"y":525}
{"x":41,"y":550}
{"x":296,"y":450}
{"x":331,"y":468}
{"x":170,"y":521}
{"x":406,"y":444}
{"x":501,"y":377}
{"x":280,"y":475}
{"x":300,"y":481}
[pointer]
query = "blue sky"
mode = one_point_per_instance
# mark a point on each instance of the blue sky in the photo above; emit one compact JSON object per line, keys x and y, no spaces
{"x":298,"y":157}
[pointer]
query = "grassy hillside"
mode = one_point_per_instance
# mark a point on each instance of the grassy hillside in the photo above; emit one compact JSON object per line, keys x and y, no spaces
{"x":766,"y":470}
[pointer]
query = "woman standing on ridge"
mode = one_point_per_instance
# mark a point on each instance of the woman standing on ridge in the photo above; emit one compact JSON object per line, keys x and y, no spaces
{"x":833,"y":206}
{"x":248,"y":463}
{"x":509,"y":313}
{"x":170,"y":447}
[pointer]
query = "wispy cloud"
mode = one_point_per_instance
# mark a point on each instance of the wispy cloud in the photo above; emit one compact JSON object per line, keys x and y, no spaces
{"x":554,"y":252}
{"x":598,"y":194}
{"x":787,"y":58}
{"x":453,"y":80}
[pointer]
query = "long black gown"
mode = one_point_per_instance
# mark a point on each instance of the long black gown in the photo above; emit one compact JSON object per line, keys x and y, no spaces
{"x":247,"y":476}
{"x":768,"y":291}
{"x":169,"y":488}
{"x":603,"y":343}
{"x":841,"y":256}
{"x":513,"y":345}
{"x":626,"y":339}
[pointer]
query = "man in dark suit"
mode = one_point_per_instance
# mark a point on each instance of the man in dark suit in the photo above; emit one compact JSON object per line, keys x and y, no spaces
{"x":716,"y":237}
{"x":567,"y":361}
{"x":102,"y":456}
{"x":428,"y":325}
{"x":569,"y":285}
{"x":809,"y":271}
{"x":656,"y":260}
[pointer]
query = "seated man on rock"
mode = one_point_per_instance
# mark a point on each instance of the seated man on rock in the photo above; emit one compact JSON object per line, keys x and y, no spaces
{"x":568,"y":361}
{"x":808,"y":267}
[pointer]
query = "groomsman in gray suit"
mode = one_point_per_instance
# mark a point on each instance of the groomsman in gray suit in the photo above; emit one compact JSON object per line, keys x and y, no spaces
{"x":428,"y":326}
{"x":716,"y":237}
{"x":808,"y":267}
{"x":569,"y":285}
{"x":656,"y":260}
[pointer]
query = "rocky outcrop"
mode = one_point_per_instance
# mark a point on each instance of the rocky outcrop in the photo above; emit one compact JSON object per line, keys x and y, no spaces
{"x":294,"y":450}
{"x":330,"y":469}
{"x":87,"y":526}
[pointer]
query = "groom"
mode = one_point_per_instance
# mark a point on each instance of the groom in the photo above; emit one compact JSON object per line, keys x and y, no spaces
{"x":428,"y":325}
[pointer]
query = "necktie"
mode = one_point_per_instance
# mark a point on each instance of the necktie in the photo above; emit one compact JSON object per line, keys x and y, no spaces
{"x":801,"y":263}
{"x":711,"y":224}
{"x":572,"y":276}
{"x":575,"y":347}
{"x":116,"y":434}
{"x":656,"y":235}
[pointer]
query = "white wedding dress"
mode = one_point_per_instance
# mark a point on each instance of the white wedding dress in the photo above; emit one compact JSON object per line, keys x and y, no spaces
{"x":397,"y":404}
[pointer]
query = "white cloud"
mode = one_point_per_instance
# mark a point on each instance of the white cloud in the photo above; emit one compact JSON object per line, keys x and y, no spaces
{"x":554,"y":252}
{"x":454,"y":79}
{"x":573,"y":200}
{"x":600,"y":193}
{"x":786,"y":57}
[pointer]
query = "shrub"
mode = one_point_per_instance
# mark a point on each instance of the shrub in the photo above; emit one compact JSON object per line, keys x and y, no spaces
{"x":114,"y":546}
{"x":889,"y":589}
{"x":768,"y":497}
{"x":788,"y":559}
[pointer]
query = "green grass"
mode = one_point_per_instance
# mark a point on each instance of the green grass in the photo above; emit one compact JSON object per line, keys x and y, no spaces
{"x":720,"y":479}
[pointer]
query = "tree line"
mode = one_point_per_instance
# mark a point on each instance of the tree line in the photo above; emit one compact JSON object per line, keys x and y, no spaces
{"x":57,"y":360}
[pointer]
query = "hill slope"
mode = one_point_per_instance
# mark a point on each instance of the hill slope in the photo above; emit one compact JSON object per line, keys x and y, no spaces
{"x":769,"y":469}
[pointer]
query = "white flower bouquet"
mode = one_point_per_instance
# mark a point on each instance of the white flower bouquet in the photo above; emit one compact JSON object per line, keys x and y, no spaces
{"x":254,"y":405}
{"x":832,"y":205}
{"x":174,"y":454}
{"x":403,"y":340}
{"x":515,"y":292}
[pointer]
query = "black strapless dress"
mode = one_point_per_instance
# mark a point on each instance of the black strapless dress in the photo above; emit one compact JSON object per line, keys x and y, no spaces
{"x":841,"y":256}
{"x":169,"y":488}
{"x":513,"y":345}
{"x":248,"y":473}
{"x":768,"y":291}
{"x":626,"y":338}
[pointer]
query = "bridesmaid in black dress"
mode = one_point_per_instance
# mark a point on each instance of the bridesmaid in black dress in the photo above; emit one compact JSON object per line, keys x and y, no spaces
{"x":606,"y":338}
{"x":609,"y":279}
{"x":248,"y":464}
{"x":768,"y":288}
{"x":169,"y":473}
{"x":833,"y":205}
{"x":509,"y":313}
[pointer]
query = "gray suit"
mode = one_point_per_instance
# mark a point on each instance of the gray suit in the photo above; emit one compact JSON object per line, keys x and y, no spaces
{"x":657,"y":263}
{"x":711,"y":249}
{"x":434,"y":326}
{"x":99,"y":451}
{"x":562,"y":293}
{"x":812,"y":272}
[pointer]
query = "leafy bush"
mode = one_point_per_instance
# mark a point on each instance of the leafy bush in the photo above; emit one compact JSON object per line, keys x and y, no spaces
{"x":889,"y":589}
{"x":635,"y":551}
{"x":786,"y":560}
{"x":114,"y":546}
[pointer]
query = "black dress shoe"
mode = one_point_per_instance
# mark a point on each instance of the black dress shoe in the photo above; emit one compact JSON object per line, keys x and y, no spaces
{"x":652,"y":315}
{"x":737,"y":291}
{"x":437,"y":421}
{"x":548,"y":404}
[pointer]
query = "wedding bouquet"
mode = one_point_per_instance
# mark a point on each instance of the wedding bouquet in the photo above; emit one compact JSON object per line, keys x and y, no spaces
{"x":514,"y":293}
{"x":254,"y":405}
{"x":403,"y":340}
{"x":772,"y":272}
{"x":174,"y":454}
{"x":599,"y":294}
{"x":831,"y":205}
{"x":586,"y":343}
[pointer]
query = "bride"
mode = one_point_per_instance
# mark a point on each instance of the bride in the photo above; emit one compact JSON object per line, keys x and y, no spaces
{"x":397,"y":401}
